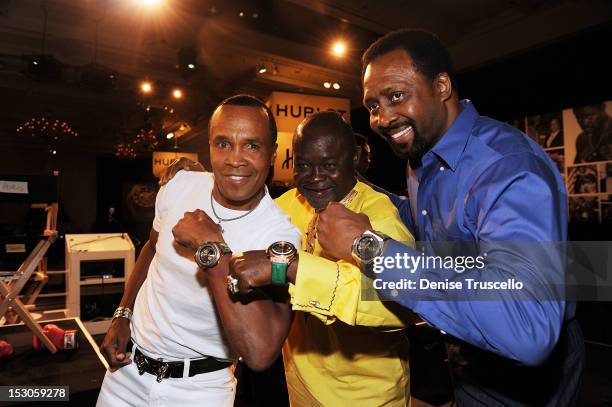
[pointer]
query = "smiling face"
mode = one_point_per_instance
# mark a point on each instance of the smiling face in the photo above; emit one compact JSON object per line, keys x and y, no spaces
{"x":324,"y":165}
{"x":406,"y":107}
{"x":241,"y":153}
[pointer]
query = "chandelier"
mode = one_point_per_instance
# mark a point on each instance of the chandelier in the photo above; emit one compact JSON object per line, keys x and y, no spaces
{"x":46,"y":127}
{"x":145,"y":140}
{"x":125,"y":150}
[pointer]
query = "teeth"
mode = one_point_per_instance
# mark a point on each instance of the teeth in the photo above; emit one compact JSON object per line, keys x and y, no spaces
{"x":236,"y":177}
{"x":402,"y":133}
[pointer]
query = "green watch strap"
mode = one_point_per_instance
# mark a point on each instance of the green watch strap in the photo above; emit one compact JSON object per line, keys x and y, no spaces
{"x":225,"y":249}
{"x":279,"y":273}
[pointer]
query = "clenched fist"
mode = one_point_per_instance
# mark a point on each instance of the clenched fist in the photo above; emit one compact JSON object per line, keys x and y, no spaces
{"x":252,"y":269}
{"x":196,"y":228}
{"x":337,"y":229}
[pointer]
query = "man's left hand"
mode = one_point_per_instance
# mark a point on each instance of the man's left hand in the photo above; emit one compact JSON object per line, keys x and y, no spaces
{"x":196,"y":228}
{"x":252,"y":269}
{"x":337,"y":229}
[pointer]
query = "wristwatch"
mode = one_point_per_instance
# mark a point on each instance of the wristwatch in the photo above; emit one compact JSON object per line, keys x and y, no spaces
{"x":367,"y":246}
{"x":209,"y":253}
{"x":281,"y":254}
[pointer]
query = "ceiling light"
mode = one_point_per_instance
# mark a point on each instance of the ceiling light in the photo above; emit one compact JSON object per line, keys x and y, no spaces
{"x":146,"y":87}
{"x":241,"y":14}
{"x":262,"y":69}
{"x":326,"y":85}
{"x":191,"y":66}
{"x":177,"y":93}
{"x":336,"y":85}
{"x":339,"y":48}
{"x":170,"y":135}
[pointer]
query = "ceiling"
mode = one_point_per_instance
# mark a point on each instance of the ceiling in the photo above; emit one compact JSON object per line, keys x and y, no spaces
{"x":92,"y":40}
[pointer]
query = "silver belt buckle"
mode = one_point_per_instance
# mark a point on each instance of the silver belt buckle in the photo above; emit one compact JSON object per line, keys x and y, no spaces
{"x":161,"y":371}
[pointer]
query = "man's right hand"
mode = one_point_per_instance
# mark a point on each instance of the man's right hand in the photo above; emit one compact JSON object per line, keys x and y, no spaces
{"x":182,"y":163}
{"x":115,"y":344}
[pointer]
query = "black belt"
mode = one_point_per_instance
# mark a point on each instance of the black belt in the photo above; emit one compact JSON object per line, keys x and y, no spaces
{"x":164,"y":370}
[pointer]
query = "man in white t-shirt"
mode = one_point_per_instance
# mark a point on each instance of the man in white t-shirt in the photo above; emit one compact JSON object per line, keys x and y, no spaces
{"x":177,"y":343}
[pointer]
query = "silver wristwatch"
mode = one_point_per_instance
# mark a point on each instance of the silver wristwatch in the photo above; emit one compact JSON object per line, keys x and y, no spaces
{"x":368,"y":246}
{"x":209,"y":253}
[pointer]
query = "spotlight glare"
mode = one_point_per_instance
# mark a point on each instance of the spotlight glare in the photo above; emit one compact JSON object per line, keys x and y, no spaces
{"x":151,"y":2}
{"x":336,"y":85}
{"x":170,"y":135}
{"x":146,"y":87}
{"x":326,"y":85}
{"x":339,"y":48}
{"x":263,"y":69}
{"x":191,"y":66}
{"x":177,"y":93}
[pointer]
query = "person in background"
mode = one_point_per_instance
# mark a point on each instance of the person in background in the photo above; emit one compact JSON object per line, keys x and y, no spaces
{"x":365,"y":154}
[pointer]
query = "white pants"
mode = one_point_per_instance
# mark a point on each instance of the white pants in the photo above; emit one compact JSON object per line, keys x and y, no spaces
{"x":125,"y":387}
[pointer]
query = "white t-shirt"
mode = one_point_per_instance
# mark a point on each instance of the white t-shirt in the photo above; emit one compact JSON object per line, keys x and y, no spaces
{"x":174,"y":316}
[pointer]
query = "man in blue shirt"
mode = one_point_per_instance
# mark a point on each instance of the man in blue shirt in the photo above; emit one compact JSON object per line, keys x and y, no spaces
{"x":485,"y":186}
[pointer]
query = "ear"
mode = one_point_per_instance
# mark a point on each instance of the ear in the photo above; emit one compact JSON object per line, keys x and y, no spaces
{"x":273,"y":159}
{"x":443,"y":86}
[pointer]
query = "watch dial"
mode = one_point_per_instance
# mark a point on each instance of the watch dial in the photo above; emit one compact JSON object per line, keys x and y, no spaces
{"x":208,"y":254}
{"x":282,"y":248}
{"x":367,"y":248}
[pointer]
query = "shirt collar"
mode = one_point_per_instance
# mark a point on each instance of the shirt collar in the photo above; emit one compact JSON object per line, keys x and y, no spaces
{"x":450,"y":147}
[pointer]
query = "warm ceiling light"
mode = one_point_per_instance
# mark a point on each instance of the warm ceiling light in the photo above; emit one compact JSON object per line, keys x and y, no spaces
{"x":146,"y":87}
{"x":177,"y":93}
{"x":339,"y":48}
{"x":326,"y":85}
{"x":170,"y":135}
{"x":191,"y":66}
{"x":336,"y":85}
{"x":262,"y":69}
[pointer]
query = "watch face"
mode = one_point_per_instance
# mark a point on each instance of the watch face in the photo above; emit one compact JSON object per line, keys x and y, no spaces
{"x":208,"y":255}
{"x":367,"y":248}
{"x":282,"y":248}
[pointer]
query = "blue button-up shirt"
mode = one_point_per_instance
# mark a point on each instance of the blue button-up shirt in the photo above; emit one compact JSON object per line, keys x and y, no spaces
{"x":486,"y":183}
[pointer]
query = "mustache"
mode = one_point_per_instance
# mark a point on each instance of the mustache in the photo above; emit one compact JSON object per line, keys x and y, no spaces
{"x":405,"y":123}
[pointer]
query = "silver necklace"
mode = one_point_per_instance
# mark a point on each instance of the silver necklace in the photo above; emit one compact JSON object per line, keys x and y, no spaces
{"x":220,"y":219}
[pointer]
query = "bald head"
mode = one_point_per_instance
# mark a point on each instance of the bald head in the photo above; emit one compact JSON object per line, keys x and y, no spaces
{"x":326,"y":125}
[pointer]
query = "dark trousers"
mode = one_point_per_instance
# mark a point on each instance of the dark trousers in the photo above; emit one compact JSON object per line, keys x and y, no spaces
{"x":483,"y":379}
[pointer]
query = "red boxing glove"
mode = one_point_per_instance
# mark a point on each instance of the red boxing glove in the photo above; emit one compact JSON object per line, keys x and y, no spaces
{"x":62,"y":339}
{"x":6,"y":349}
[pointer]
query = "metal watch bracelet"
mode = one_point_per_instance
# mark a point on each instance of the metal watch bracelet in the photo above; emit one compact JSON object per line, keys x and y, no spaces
{"x":123,"y":312}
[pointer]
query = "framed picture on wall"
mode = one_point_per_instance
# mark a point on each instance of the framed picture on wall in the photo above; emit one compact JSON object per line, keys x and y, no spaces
{"x":588,"y":133}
